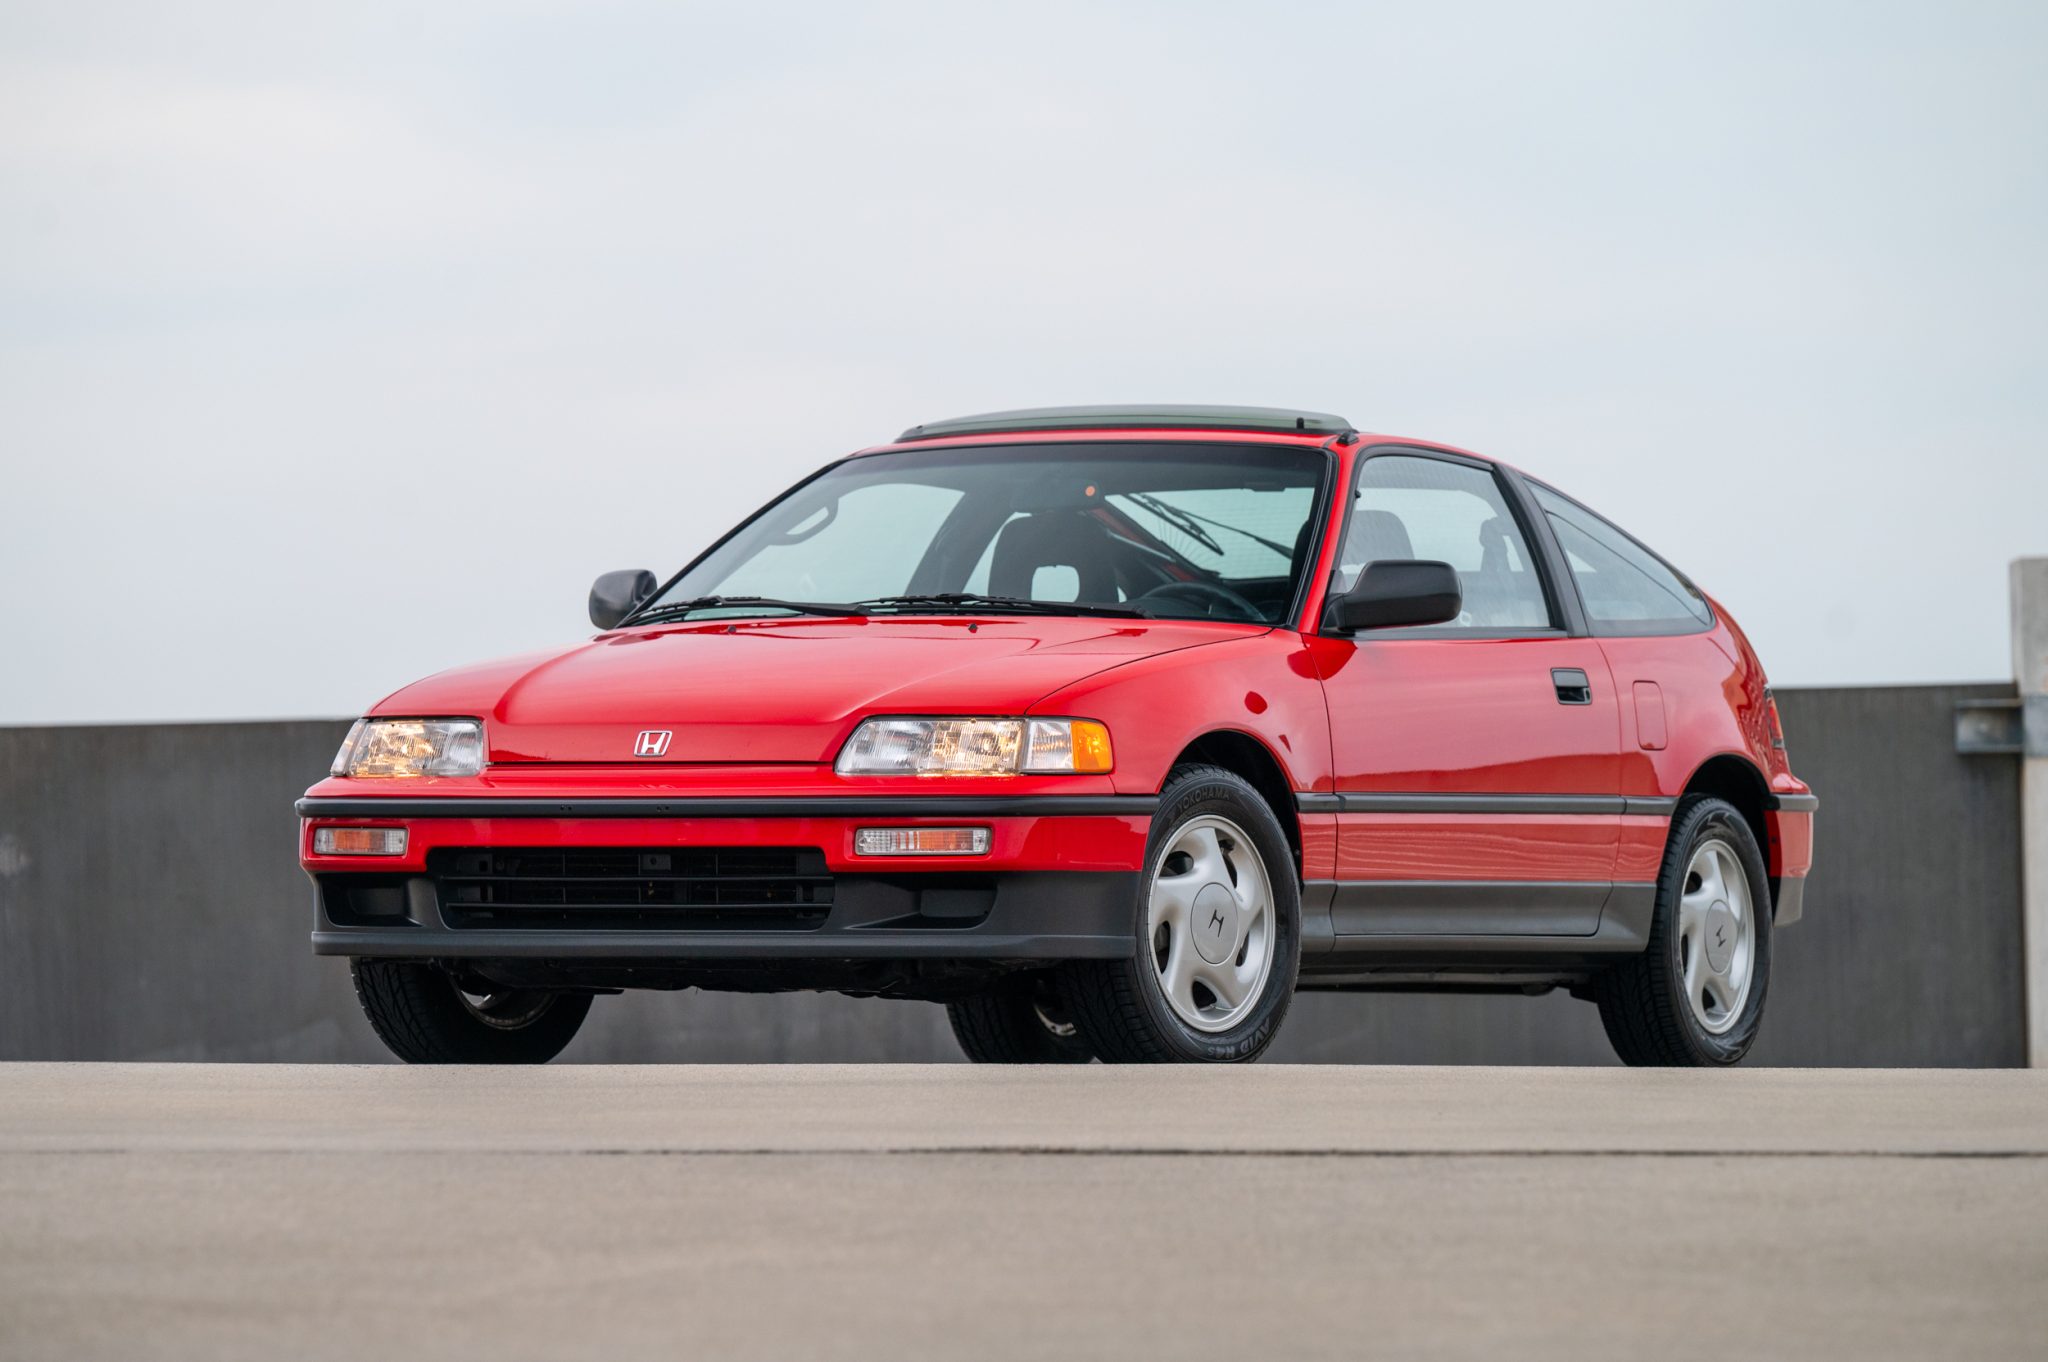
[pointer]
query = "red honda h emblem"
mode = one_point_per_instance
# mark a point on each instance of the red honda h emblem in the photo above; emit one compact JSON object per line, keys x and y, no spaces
{"x":652,"y":742}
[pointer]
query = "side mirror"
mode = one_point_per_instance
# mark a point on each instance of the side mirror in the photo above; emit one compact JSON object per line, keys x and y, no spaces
{"x":1394,"y":593}
{"x":616,"y":594}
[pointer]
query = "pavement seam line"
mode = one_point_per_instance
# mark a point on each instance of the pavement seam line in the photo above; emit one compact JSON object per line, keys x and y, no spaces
{"x":1062,"y":1151}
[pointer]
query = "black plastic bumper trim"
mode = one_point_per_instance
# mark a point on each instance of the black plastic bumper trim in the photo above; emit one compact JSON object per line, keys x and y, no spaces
{"x":682,"y":946}
{"x":1030,"y":915}
{"x":1805,"y":803}
{"x":868,"y":806}
{"x":1790,"y":903}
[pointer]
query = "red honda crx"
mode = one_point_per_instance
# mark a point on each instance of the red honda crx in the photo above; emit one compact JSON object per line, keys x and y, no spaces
{"x":1108,"y":728}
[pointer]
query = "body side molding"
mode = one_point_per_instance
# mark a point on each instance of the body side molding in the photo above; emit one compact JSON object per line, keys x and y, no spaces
{"x":1486,"y":804}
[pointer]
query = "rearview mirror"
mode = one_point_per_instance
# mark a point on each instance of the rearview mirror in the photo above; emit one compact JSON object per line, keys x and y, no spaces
{"x":616,"y":594}
{"x":1395,"y":593}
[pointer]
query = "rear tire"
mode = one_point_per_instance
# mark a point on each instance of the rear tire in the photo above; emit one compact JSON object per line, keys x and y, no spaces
{"x":1217,"y":930}
{"x":1695,"y":997}
{"x":1017,"y":1021}
{"x":424,"y":1017}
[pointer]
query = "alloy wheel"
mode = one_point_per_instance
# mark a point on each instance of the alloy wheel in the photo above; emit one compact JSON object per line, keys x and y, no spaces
{"x":1716,"y":936}
{"x":1210,"y":923}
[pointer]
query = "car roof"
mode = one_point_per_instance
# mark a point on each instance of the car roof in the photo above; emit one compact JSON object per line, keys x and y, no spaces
{"x":1135,"y":423}
{"x":1262,"y":420}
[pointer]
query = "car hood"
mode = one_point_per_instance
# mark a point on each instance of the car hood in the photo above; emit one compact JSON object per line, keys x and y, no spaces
{"x":779,"y":690}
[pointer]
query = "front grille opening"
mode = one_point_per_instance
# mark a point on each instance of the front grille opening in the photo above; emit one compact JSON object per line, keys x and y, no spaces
{"x":679,"y":888}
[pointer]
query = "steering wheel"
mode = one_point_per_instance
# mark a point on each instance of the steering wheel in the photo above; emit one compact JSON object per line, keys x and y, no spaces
{"x":1210,"y":596}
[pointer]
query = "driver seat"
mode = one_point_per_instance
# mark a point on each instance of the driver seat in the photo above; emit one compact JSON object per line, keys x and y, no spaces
{"x":1053,"y":539}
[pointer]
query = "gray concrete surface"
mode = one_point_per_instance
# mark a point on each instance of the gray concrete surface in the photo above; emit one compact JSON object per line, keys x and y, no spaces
{"x":941,"y":1212}
{"x":151,"y":908}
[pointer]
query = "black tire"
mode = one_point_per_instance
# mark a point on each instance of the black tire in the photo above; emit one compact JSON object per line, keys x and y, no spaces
{"x":420,"y":1014}
{"x":1019,"y":1020}
{"x":1643,"y":1002}
{"x":1120,"y":1007}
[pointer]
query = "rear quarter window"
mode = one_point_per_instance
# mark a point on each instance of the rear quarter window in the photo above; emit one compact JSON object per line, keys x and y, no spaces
{"x":1626,"y":588}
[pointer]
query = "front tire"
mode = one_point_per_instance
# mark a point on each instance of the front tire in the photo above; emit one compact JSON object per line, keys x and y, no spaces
{"x":1217,"y":934}
{"x":1019,"y":1020}
{"x":425,"y":1016}
{"x":1696,"y":997}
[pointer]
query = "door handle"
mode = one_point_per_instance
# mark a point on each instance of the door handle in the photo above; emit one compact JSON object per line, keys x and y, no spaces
{"x":1572,"y":686}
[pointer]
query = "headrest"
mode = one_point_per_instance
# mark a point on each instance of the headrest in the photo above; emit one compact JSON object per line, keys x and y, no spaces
{"x":1053,"y":539}
{"x":1377,"y":535}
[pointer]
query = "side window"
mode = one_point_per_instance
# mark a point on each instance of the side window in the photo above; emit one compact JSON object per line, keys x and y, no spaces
{"x":1626,"y":588}
{"x":1408,"y":506}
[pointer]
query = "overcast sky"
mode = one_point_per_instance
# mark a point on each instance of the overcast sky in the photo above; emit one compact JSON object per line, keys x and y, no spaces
{"x":343,"y":343}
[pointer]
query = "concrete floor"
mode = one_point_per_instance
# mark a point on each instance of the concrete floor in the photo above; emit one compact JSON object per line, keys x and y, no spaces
{"x":909,"y":1212}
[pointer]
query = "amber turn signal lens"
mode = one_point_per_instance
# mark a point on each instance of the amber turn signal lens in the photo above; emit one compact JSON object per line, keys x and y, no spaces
{"x":359,"y":841}
{"x":1091,"y":747}
{"x":1067,"y":747}
{"x":920,"y":842}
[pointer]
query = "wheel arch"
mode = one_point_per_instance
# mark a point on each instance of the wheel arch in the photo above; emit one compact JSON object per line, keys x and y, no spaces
{"x":1737,"y":780}
{"x":1240,"y":752}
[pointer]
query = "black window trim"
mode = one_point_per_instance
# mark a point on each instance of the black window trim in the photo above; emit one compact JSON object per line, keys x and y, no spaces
{"x":1567,"y":616}
{"x":1557,"y":570}
{"x":1635,"y":628}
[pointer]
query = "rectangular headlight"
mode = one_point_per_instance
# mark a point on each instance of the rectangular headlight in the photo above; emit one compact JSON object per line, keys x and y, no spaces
{"x":975,"y":747}
{"x":394,"y":748}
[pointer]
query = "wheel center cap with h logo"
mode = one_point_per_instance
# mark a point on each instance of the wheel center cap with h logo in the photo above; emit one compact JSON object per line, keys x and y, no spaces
{"x":1720,"y":937}
{"x":1215,"y":923}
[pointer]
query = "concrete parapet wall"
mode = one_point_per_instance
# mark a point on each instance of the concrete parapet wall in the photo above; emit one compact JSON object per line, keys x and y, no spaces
{"x":151,"y":907}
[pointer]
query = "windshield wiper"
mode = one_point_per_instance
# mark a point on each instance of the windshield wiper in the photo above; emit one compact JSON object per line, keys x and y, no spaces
{"x":677,"y":609}
{"x":1191,"y":523}
{"x":976,"y":601}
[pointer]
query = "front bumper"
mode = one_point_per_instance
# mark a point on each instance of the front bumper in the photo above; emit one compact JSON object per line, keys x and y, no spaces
{"x":1018,"y":916}
{"x":1058,"y":882}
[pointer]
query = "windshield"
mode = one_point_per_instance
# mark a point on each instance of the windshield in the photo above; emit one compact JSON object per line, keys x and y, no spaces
{"x":1164,"y":531}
